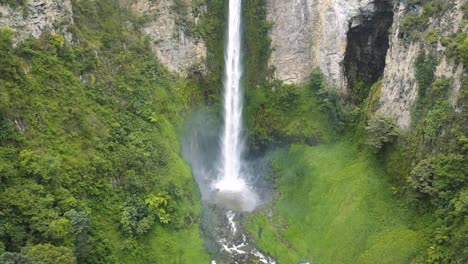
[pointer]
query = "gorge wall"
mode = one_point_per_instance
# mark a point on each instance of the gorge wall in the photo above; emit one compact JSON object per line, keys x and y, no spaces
{"x":399,"y":87}
{"x":313,"y":33}
{"x":360,"y":40}
{"x":32,"y":18}
{"x":352,"y":42}
{"x":167,"y":23}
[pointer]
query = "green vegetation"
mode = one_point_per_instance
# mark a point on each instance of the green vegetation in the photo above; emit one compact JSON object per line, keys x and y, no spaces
{"x":212,"y":28}
{"x":285,"y":113}
{"x":425,"y":67}
{"x":13,"y":3}
{"x":381,"y":131}
{"x":90,"y":166}
{"x":90,"y":170}
{"x":338,"y":202}
{"x":457,"y":47}
{"x":257,"y":43}
{"x":312,"y":113}
{"x":430,"y":164}
{"x":336,"y":206}
{"x":414,"y":24}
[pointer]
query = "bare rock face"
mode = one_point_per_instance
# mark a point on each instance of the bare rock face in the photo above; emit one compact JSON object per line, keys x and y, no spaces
{"x":399,"y":86}
{"x":168,"y":26}
{"x":307,"y":34}
{"x":37,"y":16}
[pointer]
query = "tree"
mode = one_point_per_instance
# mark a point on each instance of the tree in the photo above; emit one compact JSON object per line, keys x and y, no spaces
{"x":17,"y":258}
{"x":79,"y":227}
{"x":381,"y":130}
{"x":440,"y":177}
{"x":51,"y":254}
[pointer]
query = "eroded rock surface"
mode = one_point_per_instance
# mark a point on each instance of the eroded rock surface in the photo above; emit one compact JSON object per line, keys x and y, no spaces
{"x":37,"y":16}
{"x":168,"y":26}
{"x":399,"y":87}
{"x":312,"y":33}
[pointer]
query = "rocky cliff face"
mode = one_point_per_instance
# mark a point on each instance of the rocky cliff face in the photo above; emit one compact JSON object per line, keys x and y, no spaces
{"x":168,"y":24}
{"x":36,"y":16}
{"x":399,"y":88}
{"x":359,"y":40}
{"x":312,"y":33}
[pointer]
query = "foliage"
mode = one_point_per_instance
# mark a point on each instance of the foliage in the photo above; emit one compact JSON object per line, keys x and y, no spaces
{"x":13,"y":3}
{"x":257,"y":43}
{"x":212,"y":28}
{"x":457,"y":47}
{"x":51,"y":254}
{"x":381,"y":130}
{"x":425,"y":66}
{"x":330,"y":102}
{"x":285,"y":113}
{"x":413,"y":24}
{"x":335,"y":196}
{"x":429,"y":162}
{"x":432,"y":36}
{"x":439,"y":177}
{"x":17,"y":258}
{"x":372,"y":100}
{"x":465,"y":10}
{"x":84,"y":128}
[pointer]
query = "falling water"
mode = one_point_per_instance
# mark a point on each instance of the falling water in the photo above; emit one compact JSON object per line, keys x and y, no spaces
{"x":227,"y":184}
{"x":231,"y":182}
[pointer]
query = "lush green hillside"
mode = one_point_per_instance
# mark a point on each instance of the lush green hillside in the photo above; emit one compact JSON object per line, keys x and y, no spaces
{"x":336,"y":205}
{"x":90,"y":170}
{"x":378,"y":194}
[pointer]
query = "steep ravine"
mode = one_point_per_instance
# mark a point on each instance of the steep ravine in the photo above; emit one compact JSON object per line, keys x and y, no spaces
{"x":90,"y":155}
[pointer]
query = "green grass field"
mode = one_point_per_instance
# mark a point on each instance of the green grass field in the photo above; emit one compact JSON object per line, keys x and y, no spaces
{"x":335,"y":205}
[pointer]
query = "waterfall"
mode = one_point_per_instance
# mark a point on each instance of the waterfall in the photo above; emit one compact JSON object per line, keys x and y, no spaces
{"x":231,"y":142}
{"x":230,"y":177}
{"x":228,"y":182}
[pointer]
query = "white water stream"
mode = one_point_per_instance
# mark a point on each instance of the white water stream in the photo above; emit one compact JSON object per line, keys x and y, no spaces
{"x":233,"y":190}
{"x":231,"y":183}
{"x":230,"y":171}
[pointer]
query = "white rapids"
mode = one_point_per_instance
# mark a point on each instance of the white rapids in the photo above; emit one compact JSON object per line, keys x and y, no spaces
{"x":241,"y":246}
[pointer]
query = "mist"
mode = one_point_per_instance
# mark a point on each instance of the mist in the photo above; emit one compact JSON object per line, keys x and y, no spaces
{"x":201,"y":149}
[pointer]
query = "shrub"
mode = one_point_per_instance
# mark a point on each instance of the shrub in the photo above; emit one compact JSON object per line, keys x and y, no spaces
{"x":425,"y":66}
{"x":329,"y":100}
{"x":410,"y":24}
{"x":462,"y":49}
{"x":381,"y":130}
{"x":13,"y":3}
{"x":51,"y":254}
{"x":422,"y":177}
{"x":440,"y":177}
{"x":413,"y":24}
{"x":17,"y":258}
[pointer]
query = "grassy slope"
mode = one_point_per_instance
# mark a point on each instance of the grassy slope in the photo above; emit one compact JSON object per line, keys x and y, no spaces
{"x":335,"y":206}
{"x":160,"y":245}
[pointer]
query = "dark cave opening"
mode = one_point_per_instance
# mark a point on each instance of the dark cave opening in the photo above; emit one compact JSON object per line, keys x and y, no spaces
{"x":367,"y":45}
